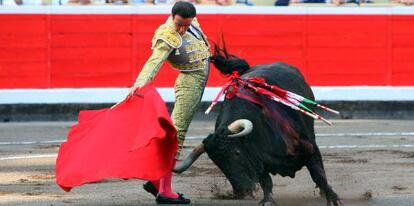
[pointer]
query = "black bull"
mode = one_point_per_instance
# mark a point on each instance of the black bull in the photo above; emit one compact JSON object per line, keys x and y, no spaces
{"x":281,"y":140}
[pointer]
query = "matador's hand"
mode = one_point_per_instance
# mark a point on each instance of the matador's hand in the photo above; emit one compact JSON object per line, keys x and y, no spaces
{"x":131,"y":93}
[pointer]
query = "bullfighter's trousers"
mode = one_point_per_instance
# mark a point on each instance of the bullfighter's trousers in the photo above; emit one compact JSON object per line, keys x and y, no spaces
{"x":189,"y":88}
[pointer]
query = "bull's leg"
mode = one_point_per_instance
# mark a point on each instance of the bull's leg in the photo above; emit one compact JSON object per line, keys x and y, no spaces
{"x":317,"y":172}
{"x":267,"y":186}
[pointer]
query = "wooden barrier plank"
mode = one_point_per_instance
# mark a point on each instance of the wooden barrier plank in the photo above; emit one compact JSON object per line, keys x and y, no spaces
{"x":346,"y":40}
{"x":402,"y":24}
{"x":26,"y":74}
{"x":88,"y":66}
{"x":405,"y":66}
{"x":350,"y":54}
{"x":403,"y":54}
{"x":91,"y":40}
{"x":346,"y":80}
{"x":147,"y":23}
{"x":91,"y":53}
{"x":334,"y":24}
{"x":23,"y":55}
{"x":403,"y":40}
{"x":273,"y":52}
{"x":377,"y":49}
{"x":281,"y":39}
{"x":261,"y":24}
{"x":403,"y":78}
{"x":91,"y":24}
{"x":17,"y":82}
{"x":28,"y":68}
{"x":23,"y":41}
{"x":25,"y":16}
{"x":115,"y":79}
{"x":347,"y":67}
{"x":32,"y":24}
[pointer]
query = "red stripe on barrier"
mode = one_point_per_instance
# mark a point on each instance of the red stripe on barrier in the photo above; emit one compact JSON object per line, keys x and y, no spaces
{"x":109,"y":50}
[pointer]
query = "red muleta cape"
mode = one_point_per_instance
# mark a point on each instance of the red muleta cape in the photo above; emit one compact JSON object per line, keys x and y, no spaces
{"x":135,"y":139}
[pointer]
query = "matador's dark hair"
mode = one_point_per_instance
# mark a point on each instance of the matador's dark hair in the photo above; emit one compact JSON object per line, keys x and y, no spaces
{"x":227,"y":63}
{"x":184,"y":9}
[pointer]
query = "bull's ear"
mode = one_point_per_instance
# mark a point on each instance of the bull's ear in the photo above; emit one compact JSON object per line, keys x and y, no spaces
{"x":223,"y":132}
{"x":219,"y":133}
{"x":240,"y":128}
{"x":228,"y":132}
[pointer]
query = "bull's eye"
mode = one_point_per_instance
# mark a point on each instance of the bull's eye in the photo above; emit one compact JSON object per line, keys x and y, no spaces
{"x":237,"y":152}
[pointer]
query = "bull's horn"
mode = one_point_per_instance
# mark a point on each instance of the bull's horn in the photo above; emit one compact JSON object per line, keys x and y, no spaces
{"x":245,"y":125}
{"x":189,"y":160}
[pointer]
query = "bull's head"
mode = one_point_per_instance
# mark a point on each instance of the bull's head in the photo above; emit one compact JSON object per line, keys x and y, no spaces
{"x":226,"y":147}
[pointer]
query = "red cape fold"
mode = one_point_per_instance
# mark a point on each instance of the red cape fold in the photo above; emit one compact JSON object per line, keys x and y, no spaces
{"x":135,"y":139}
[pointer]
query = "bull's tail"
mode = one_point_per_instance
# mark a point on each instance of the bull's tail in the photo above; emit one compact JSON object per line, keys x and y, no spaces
{"x":227,"y":63}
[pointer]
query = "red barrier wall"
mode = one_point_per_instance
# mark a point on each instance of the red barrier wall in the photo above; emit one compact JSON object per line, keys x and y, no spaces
{"x":108,"y":50}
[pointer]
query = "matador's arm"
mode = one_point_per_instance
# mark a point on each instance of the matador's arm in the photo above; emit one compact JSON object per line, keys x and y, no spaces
{"x":160,"y":53}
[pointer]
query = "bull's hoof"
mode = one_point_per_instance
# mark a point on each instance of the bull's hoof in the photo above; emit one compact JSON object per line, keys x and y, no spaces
{"x":267,"y":203}
{"x":336,"y":202}
{"x":333,"y":199}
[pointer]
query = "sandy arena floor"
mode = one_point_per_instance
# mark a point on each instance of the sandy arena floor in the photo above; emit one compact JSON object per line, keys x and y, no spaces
{"x":368,"y":162}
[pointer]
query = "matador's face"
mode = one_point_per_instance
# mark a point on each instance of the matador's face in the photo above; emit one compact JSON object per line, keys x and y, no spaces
{"x":181,"y":24}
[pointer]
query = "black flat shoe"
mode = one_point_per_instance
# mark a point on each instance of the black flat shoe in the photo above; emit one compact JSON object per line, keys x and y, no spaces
{"x":167,"y":200}
{"x":149,"y":187}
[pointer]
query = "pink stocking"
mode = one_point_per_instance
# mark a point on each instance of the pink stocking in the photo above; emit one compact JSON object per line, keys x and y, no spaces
{"x":165,"y":186}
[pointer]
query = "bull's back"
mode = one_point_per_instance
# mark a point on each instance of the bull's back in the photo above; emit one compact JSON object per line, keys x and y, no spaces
{"x":289,"y":78}
{"x":283,"y":75}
